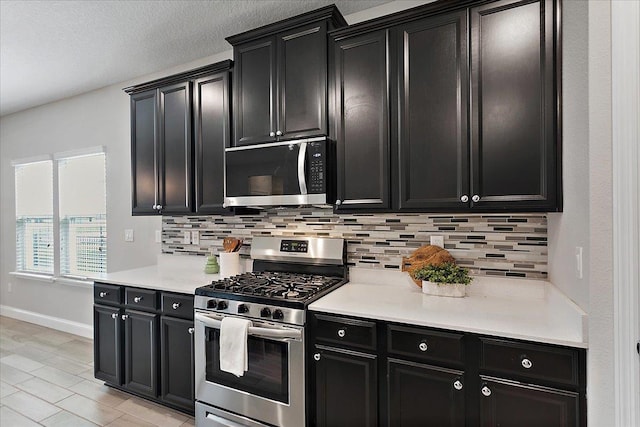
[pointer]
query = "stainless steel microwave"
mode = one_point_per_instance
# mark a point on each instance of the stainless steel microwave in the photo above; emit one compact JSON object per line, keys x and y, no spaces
{"x":285,"y":173}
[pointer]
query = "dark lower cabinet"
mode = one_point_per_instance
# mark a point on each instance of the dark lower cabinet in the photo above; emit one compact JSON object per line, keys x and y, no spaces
{"x":345,"y":386}
{"x":141,"y":352}
{"x":177,"y":367}
{"x":425,"y":395}
{"x":511,"y":404}
{"x":107,"y":344}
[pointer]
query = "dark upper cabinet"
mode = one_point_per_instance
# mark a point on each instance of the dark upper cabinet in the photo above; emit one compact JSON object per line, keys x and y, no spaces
{"x":280,"y":84}
{"x":107,"y":344}
{"x":176,"y":146}
{"x":212,"y":135}
{"x":177,"y":362}
{"x":141,"y":352}
{"x":433,"y":151}
{"x":514,"y":128}
{"x":361,"y":121}
{"x":180,"y":126}
{"x":144,"y":176}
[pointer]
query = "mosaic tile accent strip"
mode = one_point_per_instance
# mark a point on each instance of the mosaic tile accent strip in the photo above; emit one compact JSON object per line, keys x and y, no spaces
{"x":513,"y":245}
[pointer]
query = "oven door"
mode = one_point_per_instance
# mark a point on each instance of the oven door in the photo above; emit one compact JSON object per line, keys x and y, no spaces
{"x":272,"y":390}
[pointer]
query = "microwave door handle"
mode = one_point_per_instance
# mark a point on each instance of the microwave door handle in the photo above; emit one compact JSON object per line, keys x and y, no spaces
{"x":280,"y":333}
{"x":302,"y":162}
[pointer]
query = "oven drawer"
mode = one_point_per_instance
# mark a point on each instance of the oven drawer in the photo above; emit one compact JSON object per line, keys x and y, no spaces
{"x":177,"y":305}
{"x":342,"y":331}
{"x":529,"y":360}
{"x":107,"y":294}
{"x":425,"y":345}
{"x":141,"y":298}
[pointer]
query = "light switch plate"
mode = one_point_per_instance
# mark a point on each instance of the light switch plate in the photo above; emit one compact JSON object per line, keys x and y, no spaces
{"x":437,"y":240}
{"x":128,"y":235}
{"x":186,"y":237}
{"x":195,"y":237}
{"x":579,"y":262}
{"x":158,"y":236}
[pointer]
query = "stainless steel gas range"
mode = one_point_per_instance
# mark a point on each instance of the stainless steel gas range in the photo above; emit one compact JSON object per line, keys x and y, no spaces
{"x":288,"y":274}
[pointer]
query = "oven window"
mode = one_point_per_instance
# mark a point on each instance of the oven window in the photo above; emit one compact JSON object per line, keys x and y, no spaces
{"x":268,"y":374}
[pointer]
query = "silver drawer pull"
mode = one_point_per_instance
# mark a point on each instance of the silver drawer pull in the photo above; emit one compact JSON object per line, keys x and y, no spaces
{"x":103,"y":294}
{"x":316,"y":357}
{"x":125,"y":316}
{"x":423,"y":346}
{"x":526,"y":363}
{"x":457,"y":385}
{"x":341,"y":333}
{"x":486,"y":391}
{"x":114,"y":315}
{"x":176,"y":305}
{"x":464,"y":198}
{"x":191,"y":330}
{"x":475,"y":198}
{"x":137,"y":299}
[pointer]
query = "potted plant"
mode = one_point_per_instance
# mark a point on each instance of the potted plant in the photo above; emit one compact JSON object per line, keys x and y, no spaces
{"x":447,"y":279}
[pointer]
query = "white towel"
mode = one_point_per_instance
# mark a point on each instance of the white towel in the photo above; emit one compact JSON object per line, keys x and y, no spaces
{"x":233,"y":345}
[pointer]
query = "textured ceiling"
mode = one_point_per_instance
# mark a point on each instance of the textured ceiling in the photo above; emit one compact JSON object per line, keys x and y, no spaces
{"x":51,"y":50}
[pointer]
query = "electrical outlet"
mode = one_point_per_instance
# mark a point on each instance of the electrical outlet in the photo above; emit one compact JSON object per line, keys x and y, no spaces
{"x":437,"y":240}
{"x":195,"y":237}
{"x":128,"y":235}
{"x":579,"y":262}
{"x":158,"y":236}
{"x":186,"y":238}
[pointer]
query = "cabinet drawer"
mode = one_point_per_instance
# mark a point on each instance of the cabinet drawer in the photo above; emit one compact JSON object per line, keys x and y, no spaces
{"x":141,"y":298}
{"x":107,"y":294}
{"x":534,"y":361}
{"x":177,"y":305}
{"x":345,"y":332}
{"x":425,"y":344}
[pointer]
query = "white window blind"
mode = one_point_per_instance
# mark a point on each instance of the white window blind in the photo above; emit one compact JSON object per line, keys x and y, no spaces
{"x":82,"y":213}
{"x":34,"y":217}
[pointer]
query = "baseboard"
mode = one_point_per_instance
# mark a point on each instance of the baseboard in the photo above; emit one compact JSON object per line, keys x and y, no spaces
{"x":57,"y":323}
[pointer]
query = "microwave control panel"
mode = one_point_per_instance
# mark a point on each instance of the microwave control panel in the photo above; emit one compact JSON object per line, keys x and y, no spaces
{"x":316,"y":152}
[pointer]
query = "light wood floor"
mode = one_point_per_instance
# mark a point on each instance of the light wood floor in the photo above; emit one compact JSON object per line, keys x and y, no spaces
{"x":46,"y":378}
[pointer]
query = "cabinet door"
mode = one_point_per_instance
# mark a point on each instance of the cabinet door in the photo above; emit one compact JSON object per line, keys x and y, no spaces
{"x":345,"y":388}
{"x":302,"y":81}
{"x":513,"y":110}
{"x":107,"y":344}
{"x":511,"y":404}
{"x":433,"y":103}
{"x":175,"y":179}
{"x":176,"y":356}
{"x":423,"y":395}
{"x":212,"y":136}
{"x":140,"y":352}
{"x":362,"y":122}
{"x":144,"y":176}
{"x":254,"y":93}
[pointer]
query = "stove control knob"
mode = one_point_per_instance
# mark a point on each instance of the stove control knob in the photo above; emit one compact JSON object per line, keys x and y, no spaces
{"x":212,"y":303}
{"x":243,"y":309}
{"x":222,"y":305}
{"x":265,"y":312}
{"x":278,"y":315}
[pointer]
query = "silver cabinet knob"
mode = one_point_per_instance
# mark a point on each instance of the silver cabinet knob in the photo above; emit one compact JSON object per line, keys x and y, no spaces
{"x":176,"y":305}
{"x":155,"y":206}
{"x":103,"y":294}
{"x":526,"y":363}
{"x":159,"y":207}
{"x":137,"y":299}
{"x":191,"y":330}
{"x":125,"y":316}
{"x":486,"y":391}
{"x":457,"y":385}
{"x":475,"y":198}
{"x":114,"y":316}
{"x":338,"y":202}
{"x":423,"y":346}
{"x":341,"y":333}
{"x":272,"y":134}
{"x":464,"y":198}
{"x":279,"y":133}
{"x":316,"y":357}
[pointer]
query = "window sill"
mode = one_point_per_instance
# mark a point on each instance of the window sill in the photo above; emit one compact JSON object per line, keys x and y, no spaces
{"x":83,"y":282}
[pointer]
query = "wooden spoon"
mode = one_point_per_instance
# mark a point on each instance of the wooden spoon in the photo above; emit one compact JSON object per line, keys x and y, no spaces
{"x":228,"y":244}
{"x":238,"y":245}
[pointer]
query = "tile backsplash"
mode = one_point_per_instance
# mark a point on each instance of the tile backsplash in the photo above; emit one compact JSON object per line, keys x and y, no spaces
{"x":512,"y":245}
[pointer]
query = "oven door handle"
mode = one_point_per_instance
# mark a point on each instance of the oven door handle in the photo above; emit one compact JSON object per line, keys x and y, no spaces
{"x":278,"y":332}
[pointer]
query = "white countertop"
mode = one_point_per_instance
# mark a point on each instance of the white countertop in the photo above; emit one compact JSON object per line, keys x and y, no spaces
{"x":514,"y":308}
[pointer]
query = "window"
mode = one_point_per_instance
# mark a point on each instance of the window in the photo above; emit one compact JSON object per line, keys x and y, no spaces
{"x":62,"y":204}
